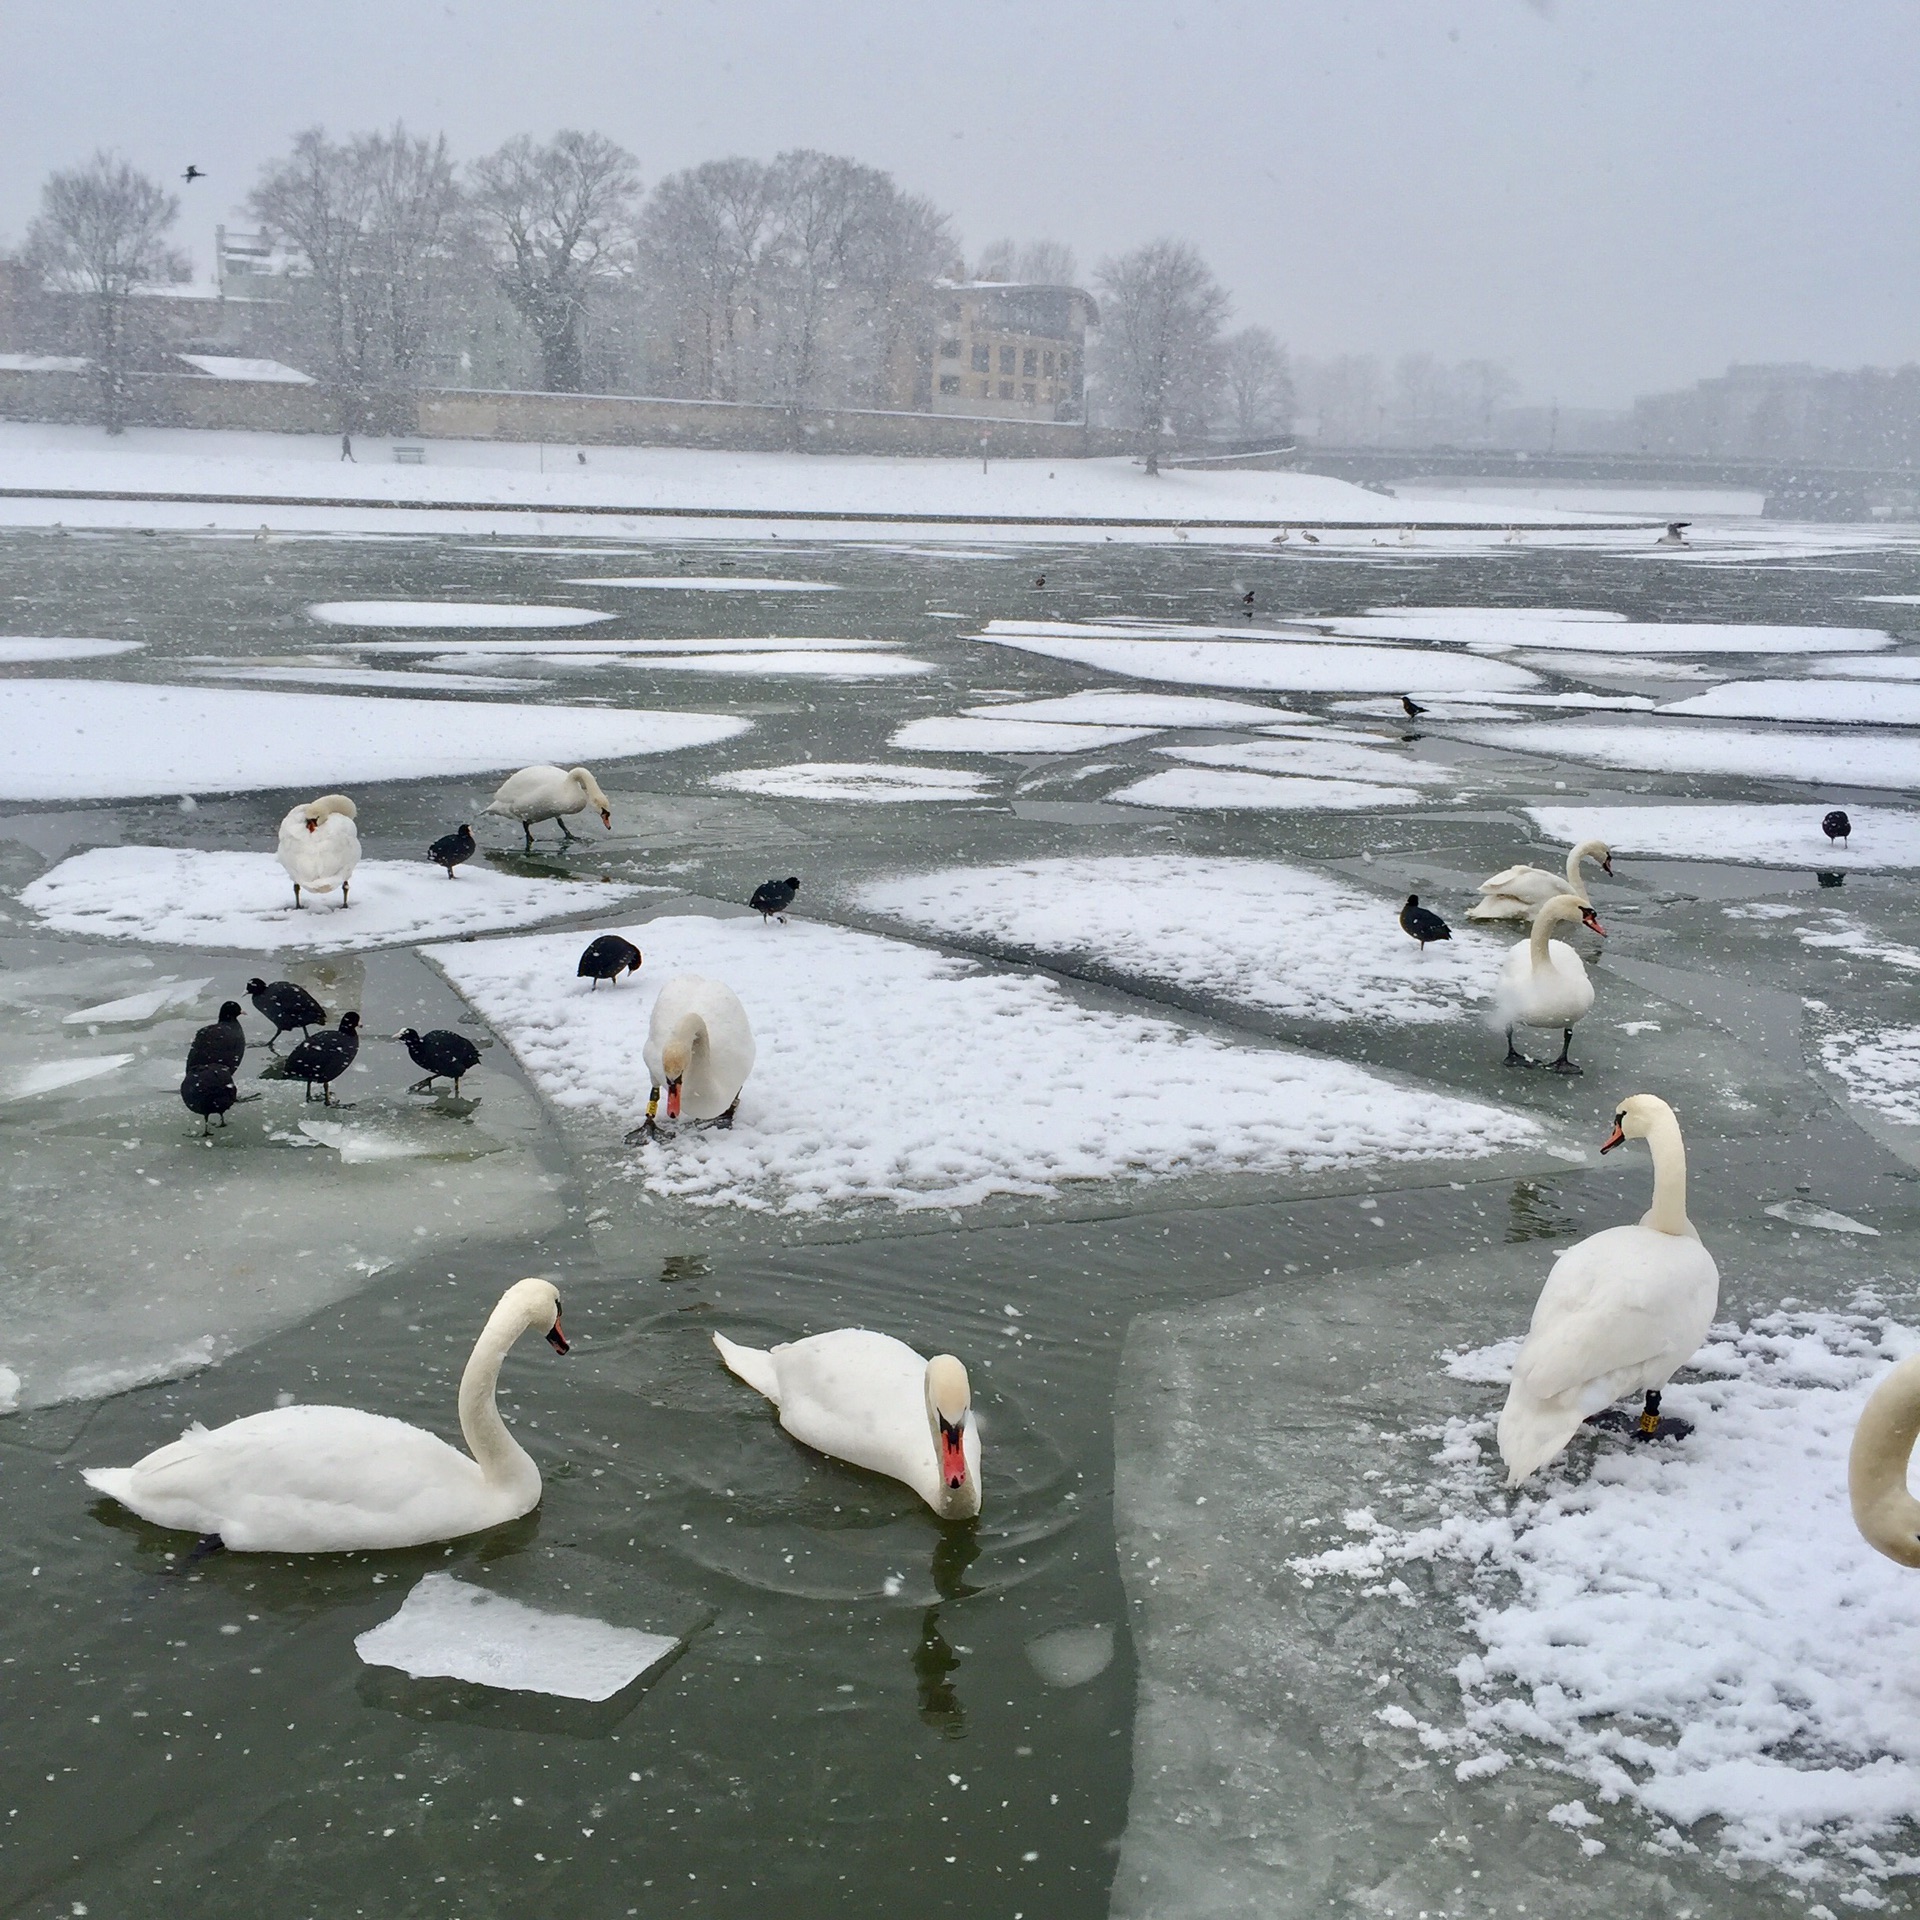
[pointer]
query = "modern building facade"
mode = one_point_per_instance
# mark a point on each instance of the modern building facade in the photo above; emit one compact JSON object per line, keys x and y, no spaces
{"x":1008,"y":351}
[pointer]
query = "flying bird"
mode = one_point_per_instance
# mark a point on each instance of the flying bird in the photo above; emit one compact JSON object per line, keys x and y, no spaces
{"x":1413,"y":706}
{"x":1422,"y":923}
{"x":1674,"y":535}
{"x":192,"y":174}
{"x":1836,"y":826}
{"x":772,"y":898}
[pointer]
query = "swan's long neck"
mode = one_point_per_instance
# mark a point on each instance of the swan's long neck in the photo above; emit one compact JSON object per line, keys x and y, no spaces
{"x":1574,"y":857}
{"x":500,"y":1456}
{"x":1668,"y":1213}
{"x":1887,"y":1515}
{"x":1543,"y":926}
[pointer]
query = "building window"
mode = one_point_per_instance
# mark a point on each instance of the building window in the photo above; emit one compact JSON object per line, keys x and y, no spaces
{"x":950,"y":350}
{"x":1030,"y":362}
{"x":1049,"y":366}
{"x":986,"y":389}
{"x":1027,"y":392}
{"x":949,"y":383}
{"x":983,"y":361}
{"x":1006,"y":359}
{"x":1006,"y":389}
{"x":1066,"y":365}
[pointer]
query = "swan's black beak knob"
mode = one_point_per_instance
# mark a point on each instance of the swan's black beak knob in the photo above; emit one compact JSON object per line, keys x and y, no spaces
{"x":557,"y":1340}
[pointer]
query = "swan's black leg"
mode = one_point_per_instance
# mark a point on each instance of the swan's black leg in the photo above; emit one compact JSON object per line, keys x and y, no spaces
{"x":526,"y":827}
{"x":1563,"y":1064}
{"x":1515,"y":1058}
{"x":1652,"y":1426}
{"x":296,"y":893}
{"x":566,"y":833}
{"x":344,"y":901}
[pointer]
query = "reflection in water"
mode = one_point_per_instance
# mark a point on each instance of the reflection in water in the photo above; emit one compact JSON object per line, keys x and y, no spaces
{"x":933,"y":1661}
{"x":682,"y":1266}
{"x":954,"y":1552}
{"x":1532,"y":1215}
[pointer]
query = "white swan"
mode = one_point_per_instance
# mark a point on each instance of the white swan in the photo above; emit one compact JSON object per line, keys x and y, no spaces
{"x":700,"y":1048}
{"x":335,"y":1480}
{"x":1519,"y":893}
{"x":549,"y":793}
{"x":1543,"y":983}
{"x":1887,"y":1515}
{"x":320,"y":845}
{"x":870,"y":1399}
{"x":1621,"y":1311}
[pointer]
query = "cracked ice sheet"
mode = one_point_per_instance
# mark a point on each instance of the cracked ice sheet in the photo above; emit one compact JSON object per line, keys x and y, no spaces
{"x":1880,"y":1069}
{"x":18,"y":650}
{"x":855,"y":780}
{"x":1328,"y":759}
{"x":118,"y":739}
{"x":1584,"y":631}
{"x":1283,"y":939}
{"x":848,"y":1024}
{"x":448,"y":613}
{"x":1854,"y":702}
{"x":1815,"y":759}
{"x":1651,"y":1625}
{"x":961,"y":733}
{"x":1761,"y":836}
{"x":1198,"y":787}
{"x":244,"y":901}
{"x":1120,"y":709}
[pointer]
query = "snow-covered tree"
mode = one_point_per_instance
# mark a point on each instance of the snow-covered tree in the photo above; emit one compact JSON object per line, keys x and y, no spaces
{"x":1162,"y":311}
{"x":1256,"y":383}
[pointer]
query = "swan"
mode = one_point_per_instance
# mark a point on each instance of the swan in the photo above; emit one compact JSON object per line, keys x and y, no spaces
{"x":870,"y":1399}
{"x":1519,"y":893}
{"x":549,"y":793}
{"x":1887,"y":1515}
{"x":1543,"y":983}
{"x":320,"y":845}
{"x":335,"y":1480}
{"x":1621,"y":1312}
{"x":700,"y":1048}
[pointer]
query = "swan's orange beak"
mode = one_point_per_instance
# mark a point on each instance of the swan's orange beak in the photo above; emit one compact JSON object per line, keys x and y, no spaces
{"x":953,"y":1454}
{"x":606,"y":820}
{"x":1617,"y":1138}
{"x":556,"y":1339}
{"x":673,"y":1099}
{"x":1592,"y":919}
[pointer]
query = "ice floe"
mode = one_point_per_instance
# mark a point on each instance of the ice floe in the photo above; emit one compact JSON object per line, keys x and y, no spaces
{"x":1034,"y":1089}
{"x":1071,"y":1656}
{"x":1188,"y":787}
{"x":1815,"y":759}
{"x":1880,"y":666}
{"x":1879,"y":1067}
{"x":134,"y":1008}
{"x":855,"y":780}
{"x":1320,"y":759}
{"x":600,"y":650}
{"x":814,"y":662}
{"x":242,"y":901}
{"x":448,"y":1629}
{"x":377,"y":679}
{"x":115,"y":739}
{"x":51,"y":1076}
{"x":1855,"y":702}
{"x":448,"y":613}
{"x":1585,"y":631}
{"x":1118,"y":709}
{"x":1280,"y":938}
{"x":1761,"y":836}
{"x":1699,"y":1631}
{"x":17,"y":650}
{"x":705,"y":583}
{"x":963,"y":733}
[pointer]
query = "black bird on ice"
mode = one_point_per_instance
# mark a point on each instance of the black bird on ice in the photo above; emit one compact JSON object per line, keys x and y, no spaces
{"x":1836,"y":826}
{"x":452,"y":849}
{"x":772,"y":898}
{"x":607,"y":958}
{"x":207,"y":1091}
{"x":1413,"y":706}
{"x":1422,"y":923}
{"x":445,"y":1055}
{"x":287,"y":1005}
{"x":323,"y":1057}
{"x":221,"y":1047}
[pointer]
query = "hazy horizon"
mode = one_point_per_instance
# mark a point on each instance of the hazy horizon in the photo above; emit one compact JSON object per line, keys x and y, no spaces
{"x":1609,"y":197}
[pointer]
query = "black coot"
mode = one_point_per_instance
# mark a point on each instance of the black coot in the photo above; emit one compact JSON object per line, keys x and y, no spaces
{"x":207,"y":1091}
{"x":443,"y":1054}
{"x":452,"y":849}
{"x":1836,"y":826}
{"x":1423,"y":923}
{"x":607,"y":958}
{"x":773,"y":897}
{"x":287,"y":1006}
{"x":222,"y":1046}
{"x":323,"y":1057}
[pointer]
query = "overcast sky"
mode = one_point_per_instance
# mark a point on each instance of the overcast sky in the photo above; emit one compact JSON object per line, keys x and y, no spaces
{"x":1610,"y":195}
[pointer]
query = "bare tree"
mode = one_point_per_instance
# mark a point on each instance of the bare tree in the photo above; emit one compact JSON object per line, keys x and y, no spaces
{"x":1159,"y":338}
{"x":1257,"y":383}
{"x":415,"y":210}
{"x":1038,"y":263}
{"x":903,"y":243}
{"x":559,"y":218}
{"x":101,"y":232}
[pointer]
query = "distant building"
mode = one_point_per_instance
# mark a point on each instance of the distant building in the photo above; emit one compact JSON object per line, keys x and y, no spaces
{"x":247,"y":266}
{"x":1006,"y":351}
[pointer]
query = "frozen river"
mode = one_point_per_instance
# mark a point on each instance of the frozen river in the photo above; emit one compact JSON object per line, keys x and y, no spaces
{"x":1093,"y":1054}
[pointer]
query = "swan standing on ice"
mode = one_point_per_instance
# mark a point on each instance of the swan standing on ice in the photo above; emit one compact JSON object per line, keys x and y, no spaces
{"x":1620,"y":1313}
{"x":1887,"y":1515}
{"x":320,"y":846}
{"x":1518,"y":893}
{"x":700,"y":1048}
{"x":335,"y":1480}
{"x":869,"y":1399}
{"x":549,"y":793}
{"x":1543,"y":983}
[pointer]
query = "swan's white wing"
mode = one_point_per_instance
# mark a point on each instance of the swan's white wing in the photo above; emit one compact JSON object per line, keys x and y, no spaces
{"x":861,"y":1397}
{"x":1507,"y":879}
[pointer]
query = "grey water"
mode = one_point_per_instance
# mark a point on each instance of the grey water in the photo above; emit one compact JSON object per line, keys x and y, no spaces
{"x":861,"y":1720}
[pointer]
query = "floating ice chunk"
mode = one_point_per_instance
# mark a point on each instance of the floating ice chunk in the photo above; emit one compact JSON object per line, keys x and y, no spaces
{"x":600,"y":648}
{"x":961,"y":733}
{"x":243,"y":901}
{"x":1803,"y":1213}
{"x":855,"y":780}
{"x":139,"y":1006}
{"x":448,"y":613}
{"x":357,"y":1146}
{"x":705,"y":583}
{"x":9,"y":1389}
{"x":397,"y":679}
{"x":1071,"y":1656}
{"x":1879,"y":1069}
{"x":839,"y":663}
{"x":17,"y":649}
{"x":1138,"y":710}
{"x":1195,"y":787}
{"x":1759,"y":835}
{"x":1587,"y":632}
{"x":1329,"y":759}
{"x":1857,"y":702}
{"x":446,"y":1629}
{"x":52,"y":1075}
{"x":1868,"y":760}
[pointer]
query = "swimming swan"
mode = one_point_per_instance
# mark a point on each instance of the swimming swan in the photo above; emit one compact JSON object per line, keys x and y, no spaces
{"x":335,"y":1480}
{"x":700,"y":1048}
{"x":1887,"y":1515}
{"x":870,"y":1399}
{"x":1518,"y":893}
{"x":320,"y":845}
{"x":1621,"y":1311}
{"x":1543,"y":983}
{"x":549,"y":793}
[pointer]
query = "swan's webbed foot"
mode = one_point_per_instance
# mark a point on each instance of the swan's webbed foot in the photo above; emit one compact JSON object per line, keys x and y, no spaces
{"x":645,"y":1131}
{"x":724,"y":1121}
{"x":566,"y":832}
{"x":1515,"y":1058}
{"x":1563,"y":1064}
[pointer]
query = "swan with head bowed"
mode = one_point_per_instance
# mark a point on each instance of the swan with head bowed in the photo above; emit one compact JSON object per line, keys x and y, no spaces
{"x":1887,"y":1515}
{"x":870,"y":1400}
{"x":335,"y":1480}
{"x":549,"y":793}
{"x":320,"y":845}
{"x":1519,"y":893}
{"x":1543,"y":983}
{"x":700,"y":1048}
{"x":1621,"y":1312}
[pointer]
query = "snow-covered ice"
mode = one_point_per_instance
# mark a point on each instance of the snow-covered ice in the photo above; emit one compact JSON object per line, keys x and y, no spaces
{"x":1816,"y":759}
{"x":1194,"y":787}
{"x":1283,"y":939}
{"x":17,"y":650}
{"x":705,"y":583}
{"x":1115,"y":709}
{"x":51,"y":1076}
{"x":1586,"y":631}
{"x":963,"y":733}
{"x":366,"y":677}
{"x":818,"y":663}
{"x":116,"y":739}
{"x":855,"y":780}
{"x":1035,"y":1090}
{"x":1764,"y":836}
{"x":448,"y":1629}
{"x":244,"y":901}
{"x":1879,"y":1067}
{"x":599,"y":649}
{"x":448,"y":613}
{"x":1873,"y":666}
{"x":1856,"y":702}
{"x":1320,"y":759}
